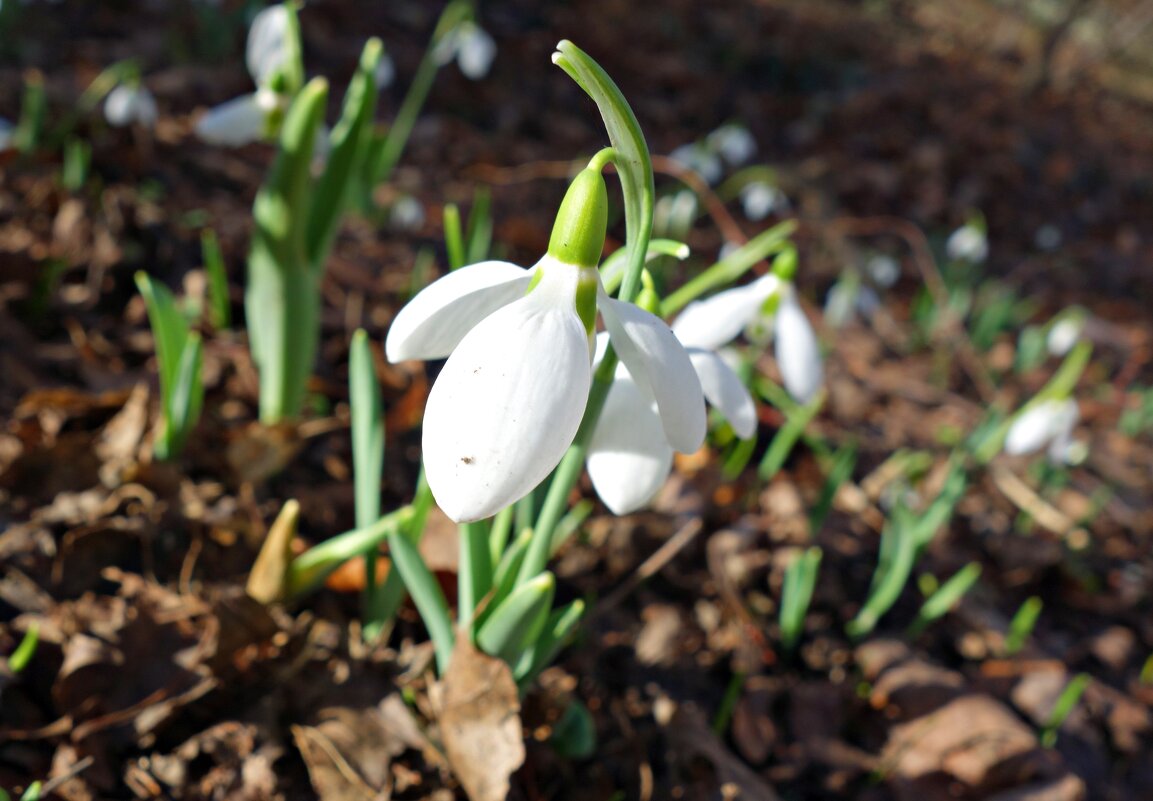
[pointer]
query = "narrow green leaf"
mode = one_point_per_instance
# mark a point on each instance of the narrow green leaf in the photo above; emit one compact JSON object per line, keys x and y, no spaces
{"x":314,"y":565}
{"x":30,"y":127}
{"x":478,"y":237}
{"x":427,"y":596}
{"x":349,"y":142}
{"x":844,"y":460}
{"x":367,"y":429}
{"x":474,"y":574}
{"x":787,"y":436}
{"x":187,"y":397}
{"x":946,"y":596}
{"x":219,"y":304}
{"x":890,"y":578}
{"x":169,"y":330}
{"x":1022,"y":625}
{"x":797,"y":594}
{"x":554,"y":637}
{"x":517,"y":623}
{"x":453,"y":237}
{"x":22,"y":656}
{"x":282,"y":296}
{"x":1064,"y":706}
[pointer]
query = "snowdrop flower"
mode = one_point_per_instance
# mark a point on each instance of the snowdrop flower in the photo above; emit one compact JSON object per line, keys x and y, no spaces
{"x":1065,"y":332}
{"x":471,"y":46}
{"x":629,"y":456}
{"x":407,"y":214}
{"x":385,"y":72}
{"x":968,"y":243}
{"x":1048,"y":422}
{"x":771,"y":299}
{"x":883,"y":269}
{"x":508,"y":402}
{"x":248,"y":118}
{"x":130,"y":105}
{"x":759,"y":199}
{"x":733,"y":143}
{"x":699,"y":159}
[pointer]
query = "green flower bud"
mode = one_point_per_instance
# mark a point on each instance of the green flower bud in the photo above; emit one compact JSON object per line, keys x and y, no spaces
{"x":578,"y":235}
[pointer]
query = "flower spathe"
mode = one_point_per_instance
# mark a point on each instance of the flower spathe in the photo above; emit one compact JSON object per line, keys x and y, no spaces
{"x":629,"y":457}
{"x":509,"y":400}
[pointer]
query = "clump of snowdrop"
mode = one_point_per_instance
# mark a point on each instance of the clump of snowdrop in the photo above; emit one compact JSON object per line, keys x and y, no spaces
{"x":630,"y":456}
{"x":766,"y":307}
{"x":130,"y":104}
{"x":854,"y":293}
{"x":272,"y":47}
{"x":969,"y":243}
{"x":1048,"y":422}
{"x":509,"y":400}
{"x":470,"y":46}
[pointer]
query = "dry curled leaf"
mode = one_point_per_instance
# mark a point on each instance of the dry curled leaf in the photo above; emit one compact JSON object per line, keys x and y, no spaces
{"x":480,"y":722}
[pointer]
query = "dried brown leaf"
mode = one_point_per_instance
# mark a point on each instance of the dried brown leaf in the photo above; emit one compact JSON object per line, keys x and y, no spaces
{"x":480,"y":722}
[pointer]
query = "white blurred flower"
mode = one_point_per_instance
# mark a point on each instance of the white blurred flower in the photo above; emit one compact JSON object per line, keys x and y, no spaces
{"x":713,"y":322}
{"x":759,"y":199}
{"x":699,"y":159}
{"x":130,"y":105}
{"x":883,"y":269}
{"x":246,"y":118}
{"x":967,"y":243}
{"x":407,"y":213}
{"x":267,"y":49}
{"x":733,"y":143}
{"x":1064,"y":333}
{"x":385,"y":72}
{"x":1046,"y":423}
{"x":629,"y":456}
{"x":472,"y":48}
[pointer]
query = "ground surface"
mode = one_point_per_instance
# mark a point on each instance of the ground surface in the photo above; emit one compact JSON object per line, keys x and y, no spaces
{"x":157,"y":677}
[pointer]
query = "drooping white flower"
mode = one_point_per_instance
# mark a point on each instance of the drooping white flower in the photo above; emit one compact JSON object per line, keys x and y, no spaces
{"x":769,"y":302}
{"x":759,"y":199}
{"x":511,"y":396}
{"x":1049,"y":423}
{"x":246,"y":118}
{"x":629,"y":456}
{"x":733,"y":142}
{"x":130,"y":105}
{"x":1065,"y":331}
{"x":968,"y":243}
{"x":471,"y":47}
{"x":700,"y":159}
{"x":266,"y":50}
{"x":385,"y":72}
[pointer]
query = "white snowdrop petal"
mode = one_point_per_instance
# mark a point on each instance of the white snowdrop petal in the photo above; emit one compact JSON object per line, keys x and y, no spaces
{"x":628,"y":458}
{"x":1039,"y":424}
{"x":798,"y":354}
{"x":724,"y":390}
{"x":475,"y":51}
{"x":442,"y":313}
{"x":507,"y":404}
{"x":233,"y":123}
{"x":126,"y":105}
{"x":967,"y":243}
{"x":718,"y":320}
{"x":267,"y":43}
{"x":659,"y":364}
{"x":1063,"y":335}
